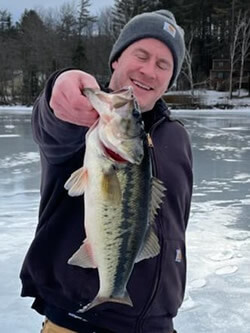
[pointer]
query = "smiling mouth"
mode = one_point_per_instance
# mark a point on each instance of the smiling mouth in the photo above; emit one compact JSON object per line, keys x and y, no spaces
{"x":141,"y":85}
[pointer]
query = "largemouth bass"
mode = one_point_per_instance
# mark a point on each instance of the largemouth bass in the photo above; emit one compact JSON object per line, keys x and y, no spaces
{"x":121,"y":195}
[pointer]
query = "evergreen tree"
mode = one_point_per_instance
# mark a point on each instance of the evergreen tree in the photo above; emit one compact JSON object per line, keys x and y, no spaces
{"x":79,"y":58}
{"x":124,"y":10}
{"x":84,"y":20}
{"x":5,"y":21}
{"x":9,"y":60}
{"x":32,"y":34}
{"x":84,"y":17}
{"x":70,"y":36}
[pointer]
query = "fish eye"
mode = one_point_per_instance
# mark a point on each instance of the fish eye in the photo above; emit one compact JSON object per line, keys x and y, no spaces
{"x":136,"y":113}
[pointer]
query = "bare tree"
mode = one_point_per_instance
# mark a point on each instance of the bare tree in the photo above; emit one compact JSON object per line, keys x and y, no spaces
{"x":234,"y":51}
{"x":99,"y":46}
{"x":105,"y":22}
{"x":187,"y":68}
{"x":245,"y":46}
{"x":67,"y":20}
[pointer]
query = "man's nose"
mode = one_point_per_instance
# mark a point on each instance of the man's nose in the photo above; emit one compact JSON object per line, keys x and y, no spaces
{"x":149,"y":69}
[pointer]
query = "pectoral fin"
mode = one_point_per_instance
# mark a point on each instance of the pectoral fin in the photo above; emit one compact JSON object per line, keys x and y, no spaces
{"x":77,"y":182}
{"x":83,"y":257}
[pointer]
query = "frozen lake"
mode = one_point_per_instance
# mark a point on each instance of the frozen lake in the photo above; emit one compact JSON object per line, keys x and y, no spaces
{"x":218,"y":237}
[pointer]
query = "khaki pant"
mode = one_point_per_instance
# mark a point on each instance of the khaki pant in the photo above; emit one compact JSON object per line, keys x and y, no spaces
{"x":49,"y":327}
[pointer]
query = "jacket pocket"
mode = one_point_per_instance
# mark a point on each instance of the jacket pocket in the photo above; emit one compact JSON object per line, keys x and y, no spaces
{"x":172,"y":279}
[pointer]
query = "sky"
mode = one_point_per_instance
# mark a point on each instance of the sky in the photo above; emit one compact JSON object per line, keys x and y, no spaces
{"x":16,"y":7}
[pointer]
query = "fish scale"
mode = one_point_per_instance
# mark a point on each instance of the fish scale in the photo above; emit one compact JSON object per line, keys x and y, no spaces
{"x":127,"y":239}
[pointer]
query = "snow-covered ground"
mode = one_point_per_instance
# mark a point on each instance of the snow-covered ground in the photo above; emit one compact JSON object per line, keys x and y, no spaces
{"x":209,"y":98}
{"x":212,"y":98}
{"x":218,"y":235}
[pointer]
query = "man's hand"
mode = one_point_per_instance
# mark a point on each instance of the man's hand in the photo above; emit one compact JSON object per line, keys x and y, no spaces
{"x":67,"y":100}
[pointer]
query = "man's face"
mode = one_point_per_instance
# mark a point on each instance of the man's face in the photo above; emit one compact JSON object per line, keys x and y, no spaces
{"x":146,"y":65}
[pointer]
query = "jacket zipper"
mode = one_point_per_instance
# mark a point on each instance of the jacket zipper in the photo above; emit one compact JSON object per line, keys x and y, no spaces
{"x":151,"y":298}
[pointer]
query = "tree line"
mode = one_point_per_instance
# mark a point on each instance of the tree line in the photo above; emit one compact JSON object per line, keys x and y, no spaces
{"x":46,"y":40}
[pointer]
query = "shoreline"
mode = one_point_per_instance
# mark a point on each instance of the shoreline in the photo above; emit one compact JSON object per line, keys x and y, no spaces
{"x":173,"y":108}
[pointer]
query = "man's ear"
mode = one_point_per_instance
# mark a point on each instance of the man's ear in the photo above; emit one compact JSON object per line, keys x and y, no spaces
{"x":114,"y":65}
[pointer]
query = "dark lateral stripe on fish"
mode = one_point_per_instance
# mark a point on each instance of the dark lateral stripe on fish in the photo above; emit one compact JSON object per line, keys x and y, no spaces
{"x":131,"y":193}
{"x":127,"y":214}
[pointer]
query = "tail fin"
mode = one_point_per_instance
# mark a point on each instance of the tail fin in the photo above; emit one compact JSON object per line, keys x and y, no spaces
{"x":125,"y":299}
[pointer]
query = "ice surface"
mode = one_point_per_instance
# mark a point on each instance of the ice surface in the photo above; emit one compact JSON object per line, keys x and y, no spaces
{"x":20,"y":159}
{"x":218,"y":236}
{"x":199,"y":283}
{"x":222,"y":256}
{"x":9,"y":135}
{"x":9,"y":126}
{"x":226,"y":270}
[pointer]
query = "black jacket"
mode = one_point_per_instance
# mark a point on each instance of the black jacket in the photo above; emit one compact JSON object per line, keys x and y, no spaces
{"x":157,"y":285}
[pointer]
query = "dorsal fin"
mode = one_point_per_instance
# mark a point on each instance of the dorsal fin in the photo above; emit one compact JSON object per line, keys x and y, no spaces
{"x":157,"y":194}
{"x":151,"y":246}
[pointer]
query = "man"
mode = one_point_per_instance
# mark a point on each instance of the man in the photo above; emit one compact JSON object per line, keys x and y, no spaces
{"x":148,"y":56}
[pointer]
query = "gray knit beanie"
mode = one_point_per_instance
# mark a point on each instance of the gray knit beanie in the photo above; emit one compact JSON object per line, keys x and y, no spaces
{"x":161,"y":25}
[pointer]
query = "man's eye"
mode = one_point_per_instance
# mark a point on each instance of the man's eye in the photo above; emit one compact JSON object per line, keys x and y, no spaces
{"x":141,"y":56}
{"x":163,"y":65}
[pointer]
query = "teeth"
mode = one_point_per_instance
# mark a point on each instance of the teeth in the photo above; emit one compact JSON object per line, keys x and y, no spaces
{"x":139,"y":84}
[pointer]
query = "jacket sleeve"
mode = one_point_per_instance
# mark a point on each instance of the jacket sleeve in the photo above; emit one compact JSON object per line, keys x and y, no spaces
{"x":58,"y":140}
